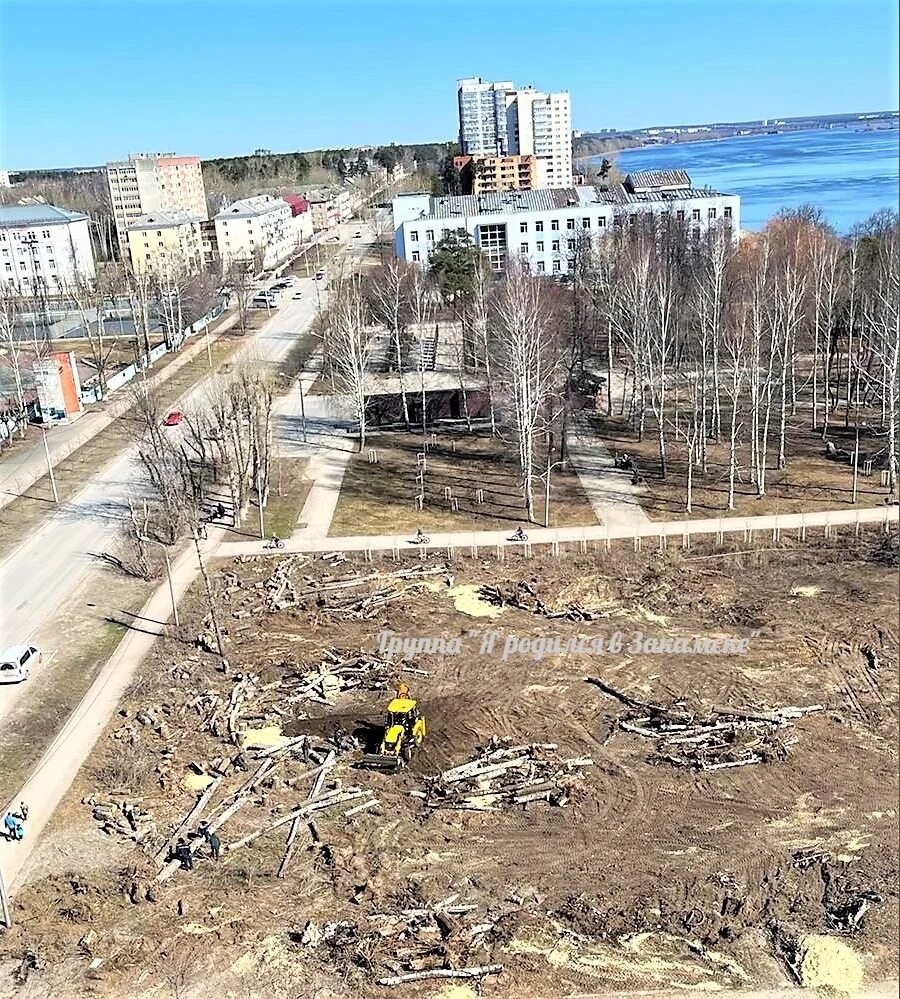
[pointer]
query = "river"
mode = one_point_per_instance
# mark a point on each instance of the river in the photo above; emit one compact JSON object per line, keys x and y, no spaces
{"x":847,"y":172}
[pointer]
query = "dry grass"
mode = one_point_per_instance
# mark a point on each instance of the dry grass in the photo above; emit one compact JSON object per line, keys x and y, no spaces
{"x":287,"y":495}
{"x":379,"y":499}
{"x":809,"y":482}
{"x":83,"y":634}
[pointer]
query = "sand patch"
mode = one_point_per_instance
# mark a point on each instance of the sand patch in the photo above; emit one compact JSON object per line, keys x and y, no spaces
{"x":262,"y":738}
{"x":826,"y":963}
{"x":805,"y":591}
{"x":197,"y":782}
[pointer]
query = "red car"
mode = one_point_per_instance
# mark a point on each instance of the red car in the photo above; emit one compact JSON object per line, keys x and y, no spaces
{"x":174,"y":418}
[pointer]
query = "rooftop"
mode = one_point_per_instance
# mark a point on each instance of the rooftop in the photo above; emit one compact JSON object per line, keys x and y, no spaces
{"x":16,"y":215}
{"x":648,"y":180}
{"x":549,"y":199}
{"x":246,"y":208}
{"x":164,"y":219}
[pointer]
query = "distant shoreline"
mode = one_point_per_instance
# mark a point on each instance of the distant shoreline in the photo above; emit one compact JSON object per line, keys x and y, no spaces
{"x":843,"y":126}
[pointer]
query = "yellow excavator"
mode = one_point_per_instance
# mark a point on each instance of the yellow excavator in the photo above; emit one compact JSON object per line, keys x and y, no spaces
{"x":404,"y":731}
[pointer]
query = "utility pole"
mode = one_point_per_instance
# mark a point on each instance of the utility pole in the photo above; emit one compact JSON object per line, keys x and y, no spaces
{"x":49,"y":465}
{"x":302,"y":405}
{"x":151,"y":541}
{"x":4,"y":904}
{"x":856,"y":467}
{"x":259,"y":498}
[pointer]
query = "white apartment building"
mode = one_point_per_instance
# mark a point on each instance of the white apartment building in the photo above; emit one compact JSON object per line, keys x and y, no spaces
{"x":154,"y":182}
{"x":166,"y":243}
{"x":500,"y":119}
{"x":258,"y":231}
{"x":44,"y":248}
{"x":542,"y":227}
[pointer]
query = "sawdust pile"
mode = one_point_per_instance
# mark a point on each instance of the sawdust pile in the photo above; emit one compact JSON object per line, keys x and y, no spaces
{"x":825,"y":962}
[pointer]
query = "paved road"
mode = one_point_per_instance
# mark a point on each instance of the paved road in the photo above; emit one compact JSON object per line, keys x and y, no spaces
{"x":50,"y":564}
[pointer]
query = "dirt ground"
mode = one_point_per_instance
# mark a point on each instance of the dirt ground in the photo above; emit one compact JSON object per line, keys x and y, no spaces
{"x":651,"y":876}
{"x":809,"y":482}
{"x":378,"y":499}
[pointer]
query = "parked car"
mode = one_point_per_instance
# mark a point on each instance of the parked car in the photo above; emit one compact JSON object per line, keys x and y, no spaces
{"x":264,"y":302}
{"x":297,"y":295}
{"x":16,"y":663}
{"x":173,"y":419}
{"x":289,"y":281}
{"x":320,"y":275}
{"x":357,"y":234}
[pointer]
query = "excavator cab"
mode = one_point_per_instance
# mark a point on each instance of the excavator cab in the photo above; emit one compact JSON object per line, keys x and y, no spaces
{"x":404,"y":731}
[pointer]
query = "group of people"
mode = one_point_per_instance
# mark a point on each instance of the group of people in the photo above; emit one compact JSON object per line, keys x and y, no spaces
{"x":14,"y":823}
{"x":185,"y":855}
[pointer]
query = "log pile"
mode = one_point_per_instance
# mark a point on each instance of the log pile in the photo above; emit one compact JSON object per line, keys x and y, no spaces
{"x":500,"y":777}
{"x":523,"y":596}
{"x":339,"y":672}
{"x":337,"y":596}
{"x":123,"y":818}
{"x":719,"y":738}
{"x":447,"y":940}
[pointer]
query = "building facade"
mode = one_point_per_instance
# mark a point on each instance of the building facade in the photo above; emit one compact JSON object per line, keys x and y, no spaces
{"x":168,"y":242}
{"x":500,"y":119}
{"x":154,"y":182}
{"x":543,"y":227}
{"x":44,"y":249}
{"x":487,"y":174}
{"x":329,"y":209}
{"x":258,"y":232}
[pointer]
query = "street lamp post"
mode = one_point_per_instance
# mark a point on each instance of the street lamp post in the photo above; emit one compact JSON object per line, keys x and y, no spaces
{"x":152,"y":541}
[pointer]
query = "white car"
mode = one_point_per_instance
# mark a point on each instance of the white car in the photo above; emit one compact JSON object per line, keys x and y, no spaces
{"x":297,"y":295}
{"x":16,"y":663}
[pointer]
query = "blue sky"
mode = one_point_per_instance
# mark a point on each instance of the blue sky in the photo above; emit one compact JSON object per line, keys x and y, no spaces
{"x":83,"y":82}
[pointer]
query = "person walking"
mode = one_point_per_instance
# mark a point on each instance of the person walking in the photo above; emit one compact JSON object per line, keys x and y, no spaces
{"x":13,"y":827}
{"x":215,"y":844}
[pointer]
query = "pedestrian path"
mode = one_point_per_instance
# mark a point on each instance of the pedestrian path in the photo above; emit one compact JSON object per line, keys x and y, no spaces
{"x":614,"y":500}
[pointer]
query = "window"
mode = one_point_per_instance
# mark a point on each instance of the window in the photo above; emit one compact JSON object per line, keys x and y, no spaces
{"x":554,"y":225}
{"x":148,"y":256}
{"x":712,"y":213}
{"x":585,"y":223}
{"x":556,"y":246}
{"x":726,"y":212}
{"x":538,"y":226}
{"x":158,"y":232}
{"x":46,"y":233}
{"x":570,"y":223}
{"x":540,"y":246}
{"x":146,"y":246}
{"x":414,"y":236}
{"x":6,"y":253}
{"x":557,"y":266}
{"x":445,"y":233}
{"x":160,"y":244}
{"x":571,"y":244}
{"x":21,"y":265}
{"x":601,"y":222}
{"x":429,"y":235}
{"x":2,"y":237}
{"x":523,"y":227}
{"x":415,"y":256}
{"x":52,"y":264}
{"x":695,"y":215}
{"x":540,"y":267}
{"x":523,"y":249}
{"x":679,"y":215}
{"x":9,"y":267}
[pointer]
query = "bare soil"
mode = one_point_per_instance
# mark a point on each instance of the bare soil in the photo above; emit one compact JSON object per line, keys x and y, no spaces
{"x":651,"y":877}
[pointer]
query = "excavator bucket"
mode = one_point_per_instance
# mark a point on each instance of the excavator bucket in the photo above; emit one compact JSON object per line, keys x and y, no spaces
{"x":389,"y":762}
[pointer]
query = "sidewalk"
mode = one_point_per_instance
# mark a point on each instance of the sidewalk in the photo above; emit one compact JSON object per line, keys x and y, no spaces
{"x":20,"y":471}
{"x":614,"y":500}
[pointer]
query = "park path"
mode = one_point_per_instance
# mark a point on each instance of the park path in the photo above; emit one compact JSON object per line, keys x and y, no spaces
{"x":614,"y":500}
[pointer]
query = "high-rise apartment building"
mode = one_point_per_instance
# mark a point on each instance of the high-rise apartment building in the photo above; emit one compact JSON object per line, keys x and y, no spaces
{"x":154,"y":182}
{"x":499,"y":119}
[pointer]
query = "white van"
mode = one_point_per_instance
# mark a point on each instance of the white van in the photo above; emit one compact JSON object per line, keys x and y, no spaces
{"x":16,"y":663}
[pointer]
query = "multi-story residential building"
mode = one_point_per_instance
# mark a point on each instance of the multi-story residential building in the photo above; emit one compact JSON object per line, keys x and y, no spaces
{"x":329,"y":208}
{"x":44,"y":249}
{"x":4,"y":179}
{"x":485,"y":174}
{"x":499,"y":119}
{"x":154,"y":182}
{"x":542,"y":227}
{"x":166,"y":242}
{"x":258,"y":232}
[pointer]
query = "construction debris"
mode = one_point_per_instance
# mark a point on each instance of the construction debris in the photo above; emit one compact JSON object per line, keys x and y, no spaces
{"x":719,"y":739}
{"x":499,"y":777}
{"x":523,"y":596}
{"x":420,"y":976}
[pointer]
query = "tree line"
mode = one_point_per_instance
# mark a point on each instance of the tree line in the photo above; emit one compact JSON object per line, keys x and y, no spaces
{"x":697,"y":341}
